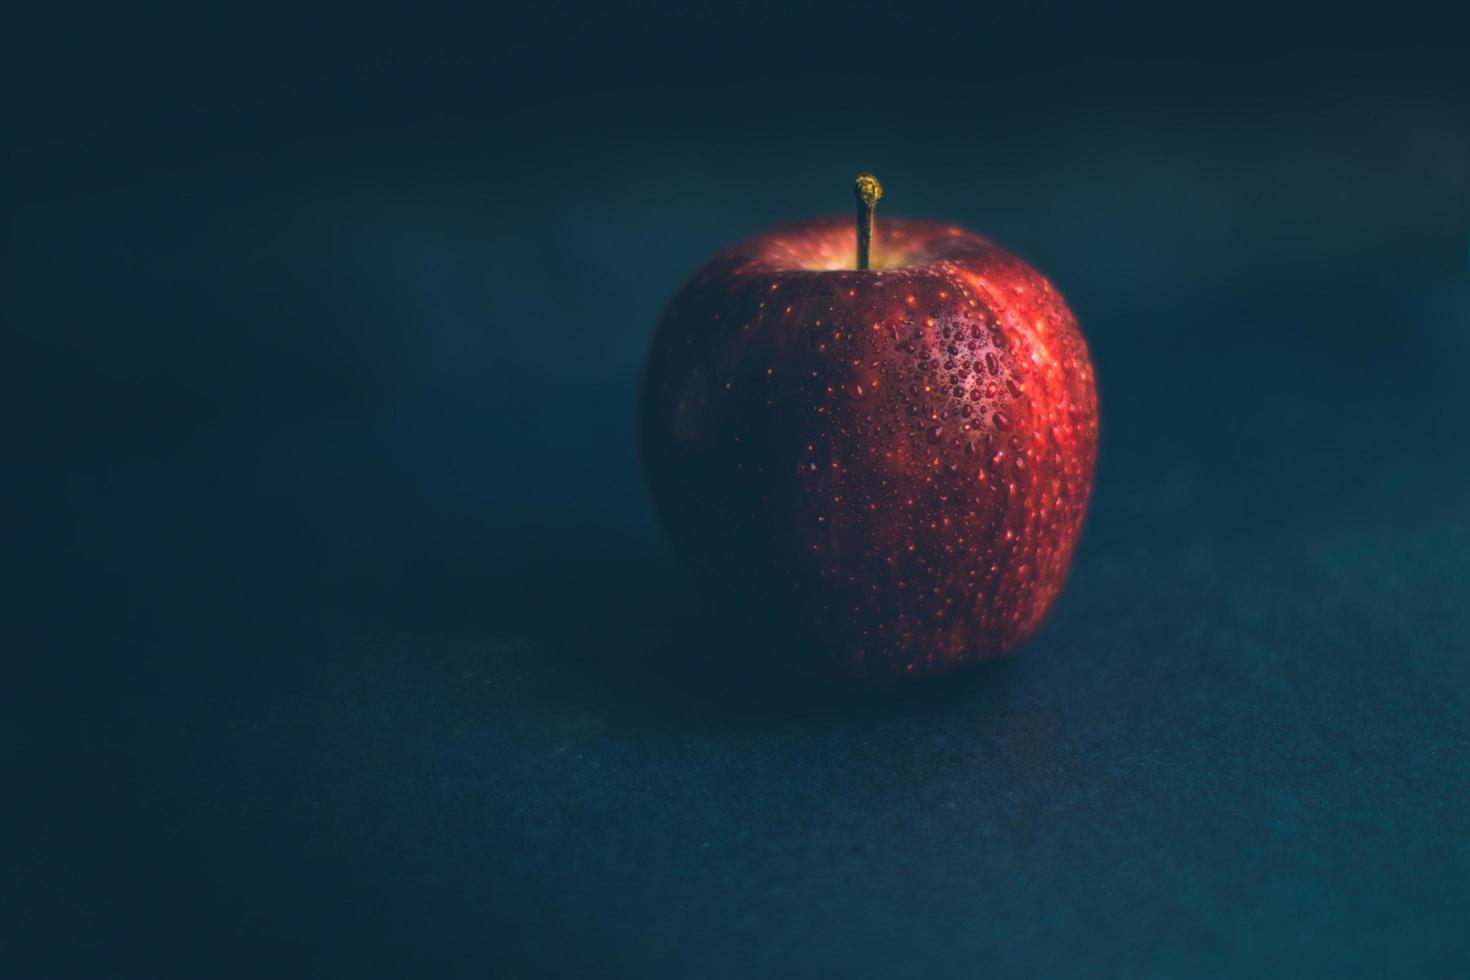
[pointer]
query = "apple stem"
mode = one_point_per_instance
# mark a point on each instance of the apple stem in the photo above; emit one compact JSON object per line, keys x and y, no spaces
{"x":867,"y":190}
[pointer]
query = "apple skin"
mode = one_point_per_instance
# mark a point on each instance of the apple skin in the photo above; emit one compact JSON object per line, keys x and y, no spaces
{"x":880,"y":474}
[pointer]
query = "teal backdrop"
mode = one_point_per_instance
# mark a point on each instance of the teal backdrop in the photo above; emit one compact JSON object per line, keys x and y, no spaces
{"x":343,"y":641}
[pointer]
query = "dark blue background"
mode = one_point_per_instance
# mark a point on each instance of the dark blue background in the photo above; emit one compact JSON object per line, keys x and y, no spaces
{"x":344,"y":638}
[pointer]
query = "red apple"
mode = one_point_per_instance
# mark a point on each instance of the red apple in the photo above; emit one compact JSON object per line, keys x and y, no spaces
{"x":883,"y":471}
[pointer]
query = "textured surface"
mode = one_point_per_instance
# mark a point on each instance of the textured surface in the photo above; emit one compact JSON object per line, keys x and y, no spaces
{"x":883,"y":471}
{"x":345,"y":643}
